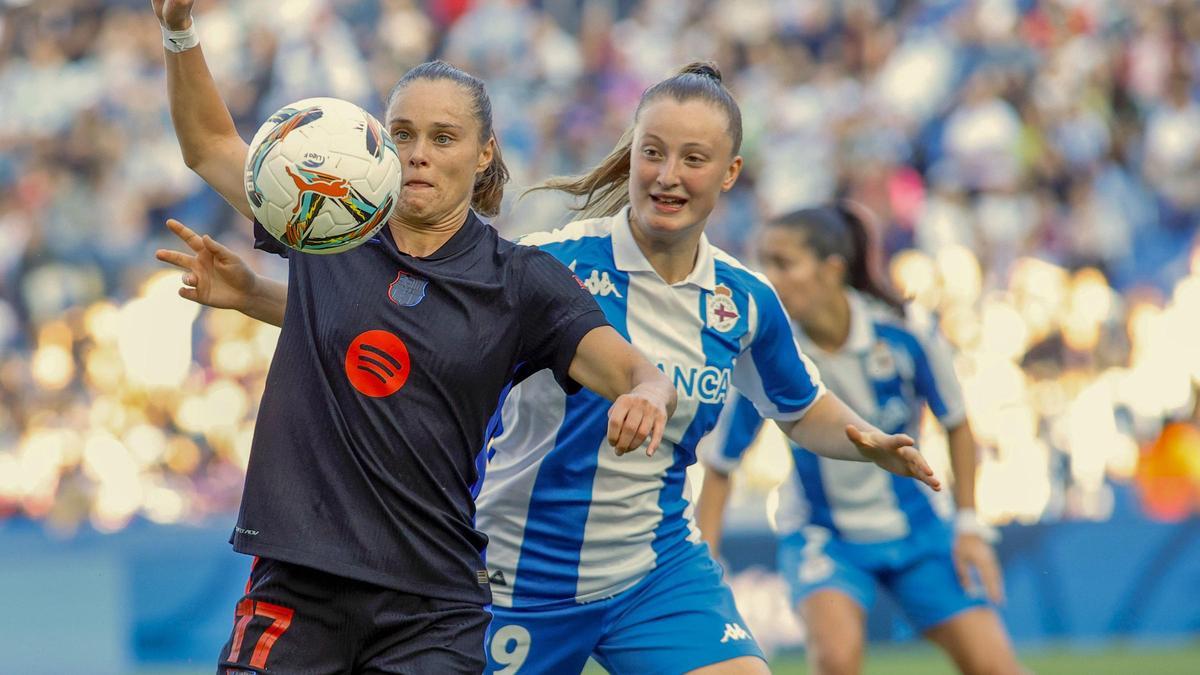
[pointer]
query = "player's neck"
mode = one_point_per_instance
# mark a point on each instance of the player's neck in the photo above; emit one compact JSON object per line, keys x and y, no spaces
{"x":424,"y":239}
{"x":829,"y":326}
{"x":673,"y":255}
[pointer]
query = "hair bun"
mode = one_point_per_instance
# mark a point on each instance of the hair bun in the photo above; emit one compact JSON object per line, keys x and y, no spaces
{"x":704,"y":68}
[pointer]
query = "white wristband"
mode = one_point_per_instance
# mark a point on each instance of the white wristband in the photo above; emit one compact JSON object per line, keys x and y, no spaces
{"x":967,"y":522}
{"x":177,"y":41}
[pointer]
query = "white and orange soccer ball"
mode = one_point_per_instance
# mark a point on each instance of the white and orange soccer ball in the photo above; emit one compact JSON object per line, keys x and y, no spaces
{"x":322,"y":175}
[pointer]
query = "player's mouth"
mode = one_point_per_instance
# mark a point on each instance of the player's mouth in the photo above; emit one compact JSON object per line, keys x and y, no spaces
{"x":416,"y":184}
{"x":664,"y":203}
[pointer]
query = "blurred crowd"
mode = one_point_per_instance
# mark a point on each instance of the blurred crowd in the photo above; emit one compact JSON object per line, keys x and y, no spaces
{"x":1034,"y":164}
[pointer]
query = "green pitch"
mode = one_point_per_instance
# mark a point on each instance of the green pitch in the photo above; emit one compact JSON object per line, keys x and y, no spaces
{"x":920,"y":660}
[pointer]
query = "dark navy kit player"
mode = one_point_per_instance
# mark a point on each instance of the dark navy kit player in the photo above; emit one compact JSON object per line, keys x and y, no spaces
{"x":358,"y":502}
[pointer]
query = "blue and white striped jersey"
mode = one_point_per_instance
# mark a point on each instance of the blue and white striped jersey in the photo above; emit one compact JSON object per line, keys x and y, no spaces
{"x":567,"y":520}
{"x":887,"y":371}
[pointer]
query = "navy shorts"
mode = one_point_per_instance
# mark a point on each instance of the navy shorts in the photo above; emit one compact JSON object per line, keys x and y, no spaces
{"x":299,"y":620}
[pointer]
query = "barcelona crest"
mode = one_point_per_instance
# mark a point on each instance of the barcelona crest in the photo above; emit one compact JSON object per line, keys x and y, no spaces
{"x":407,"y":290}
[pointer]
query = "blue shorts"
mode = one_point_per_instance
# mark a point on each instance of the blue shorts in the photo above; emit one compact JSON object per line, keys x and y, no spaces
{"x":679,"y":618}
{"x":919,"y":574}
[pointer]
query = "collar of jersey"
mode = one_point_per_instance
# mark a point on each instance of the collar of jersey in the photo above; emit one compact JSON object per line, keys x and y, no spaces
{"x":862,"y":332}
{"x":464,"y":238}
{"x":627,"y":257}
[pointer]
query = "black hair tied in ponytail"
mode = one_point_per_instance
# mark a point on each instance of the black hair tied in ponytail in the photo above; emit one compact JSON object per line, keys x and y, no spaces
{"x":844,"y":230}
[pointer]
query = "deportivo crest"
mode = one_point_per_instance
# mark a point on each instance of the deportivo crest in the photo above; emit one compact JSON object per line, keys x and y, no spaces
{"x":881,"y":365}
{"x":407,"y":290}
{"x":722,"y":314}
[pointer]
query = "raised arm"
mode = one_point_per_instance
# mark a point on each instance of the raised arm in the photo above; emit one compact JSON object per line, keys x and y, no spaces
{"x":643,"y":398}
{"x":215,"y":276}
{"x":207,"y":136}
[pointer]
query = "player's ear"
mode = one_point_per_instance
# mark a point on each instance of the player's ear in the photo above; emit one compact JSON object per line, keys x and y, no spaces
{"x":486,"y":155}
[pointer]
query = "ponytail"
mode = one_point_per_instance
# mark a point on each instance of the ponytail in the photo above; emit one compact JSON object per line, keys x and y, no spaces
{"x":605,"y":189}
{"x":844,"y":230}
{"x":489,"y":185}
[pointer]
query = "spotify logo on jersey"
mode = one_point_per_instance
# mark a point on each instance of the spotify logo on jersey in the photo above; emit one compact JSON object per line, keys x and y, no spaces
{"x":377,"y":363}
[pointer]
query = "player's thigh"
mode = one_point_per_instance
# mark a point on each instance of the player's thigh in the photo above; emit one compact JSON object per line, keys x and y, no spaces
{"x":977,"y":642}
{"x":831,"y":589}
{"x":419,"y":634}
{"x":532,"y":642}
{"x":290,"y":620}
{"x":835,"y":623}
{"x":928,"y":590}
{"x":680,"y":618}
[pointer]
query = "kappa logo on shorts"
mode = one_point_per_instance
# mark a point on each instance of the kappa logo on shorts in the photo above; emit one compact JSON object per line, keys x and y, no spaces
{"x":734,"y":631}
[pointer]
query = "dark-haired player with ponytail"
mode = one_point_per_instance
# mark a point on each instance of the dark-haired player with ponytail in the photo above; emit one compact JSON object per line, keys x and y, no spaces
{"x":358,"y":503}
{"x":846,"y":528}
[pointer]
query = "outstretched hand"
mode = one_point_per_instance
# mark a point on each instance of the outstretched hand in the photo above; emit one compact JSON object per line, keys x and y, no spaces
{"x":896,"y":453}
{"x":174,"y":14}
{"x":213,"y":275}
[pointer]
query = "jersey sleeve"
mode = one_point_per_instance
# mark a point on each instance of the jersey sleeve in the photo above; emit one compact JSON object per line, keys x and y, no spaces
{"x":556,"y":312}
{"x":736,"y":429}
{"x":934,"y":376}
{"x":264,"y":241}
{"x":771,"y":371}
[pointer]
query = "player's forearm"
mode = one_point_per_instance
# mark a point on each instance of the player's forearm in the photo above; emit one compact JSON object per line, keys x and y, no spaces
{"x":207,"y":136}
{"x":267,"y":302}
{"x":710,"y":510}
{"x":962,"y":462}
{"x":608,"y":365}
{"x":823,"y":429}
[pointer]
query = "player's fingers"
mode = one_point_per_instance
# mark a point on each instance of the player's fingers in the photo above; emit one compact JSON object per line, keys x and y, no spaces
{"x":190,"y":279}
{"x":962,"y":569}
{"x":660,"y":426}
{"x":643,"y":429}
{"x":616,"y":418}
{"x":186,"y":234}
{"x":180,"y":260}
{"x":633,"y":419}
{"x":189,"y":293}
{"x":919,"y":468}
{"x":219,"y":251}
{"x":993,"y":580}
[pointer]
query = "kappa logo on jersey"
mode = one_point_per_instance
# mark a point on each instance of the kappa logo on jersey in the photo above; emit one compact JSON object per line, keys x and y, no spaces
{"x":734,"y":631}
{"x":407,"y":290}
{"x":722,"y":310}
{"x":710,"y":384}
{"x":598,"y":283}
{"x":377,"y":363}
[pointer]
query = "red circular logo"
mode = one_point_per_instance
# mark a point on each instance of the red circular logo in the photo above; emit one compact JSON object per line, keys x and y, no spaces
{"x":377,"y":363}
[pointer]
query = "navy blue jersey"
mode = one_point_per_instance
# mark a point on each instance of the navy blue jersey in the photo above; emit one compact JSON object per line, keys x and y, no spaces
{"x":387,"y":370}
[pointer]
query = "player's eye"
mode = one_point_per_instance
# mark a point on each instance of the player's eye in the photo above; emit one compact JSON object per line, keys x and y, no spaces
{"x":695,"y":159}
{"x":650,"y":153}
{"x":400,"y":135}
{"x":442,"y":139}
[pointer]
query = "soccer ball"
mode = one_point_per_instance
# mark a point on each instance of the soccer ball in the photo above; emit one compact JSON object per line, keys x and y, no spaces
{"x":322,"y":175}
